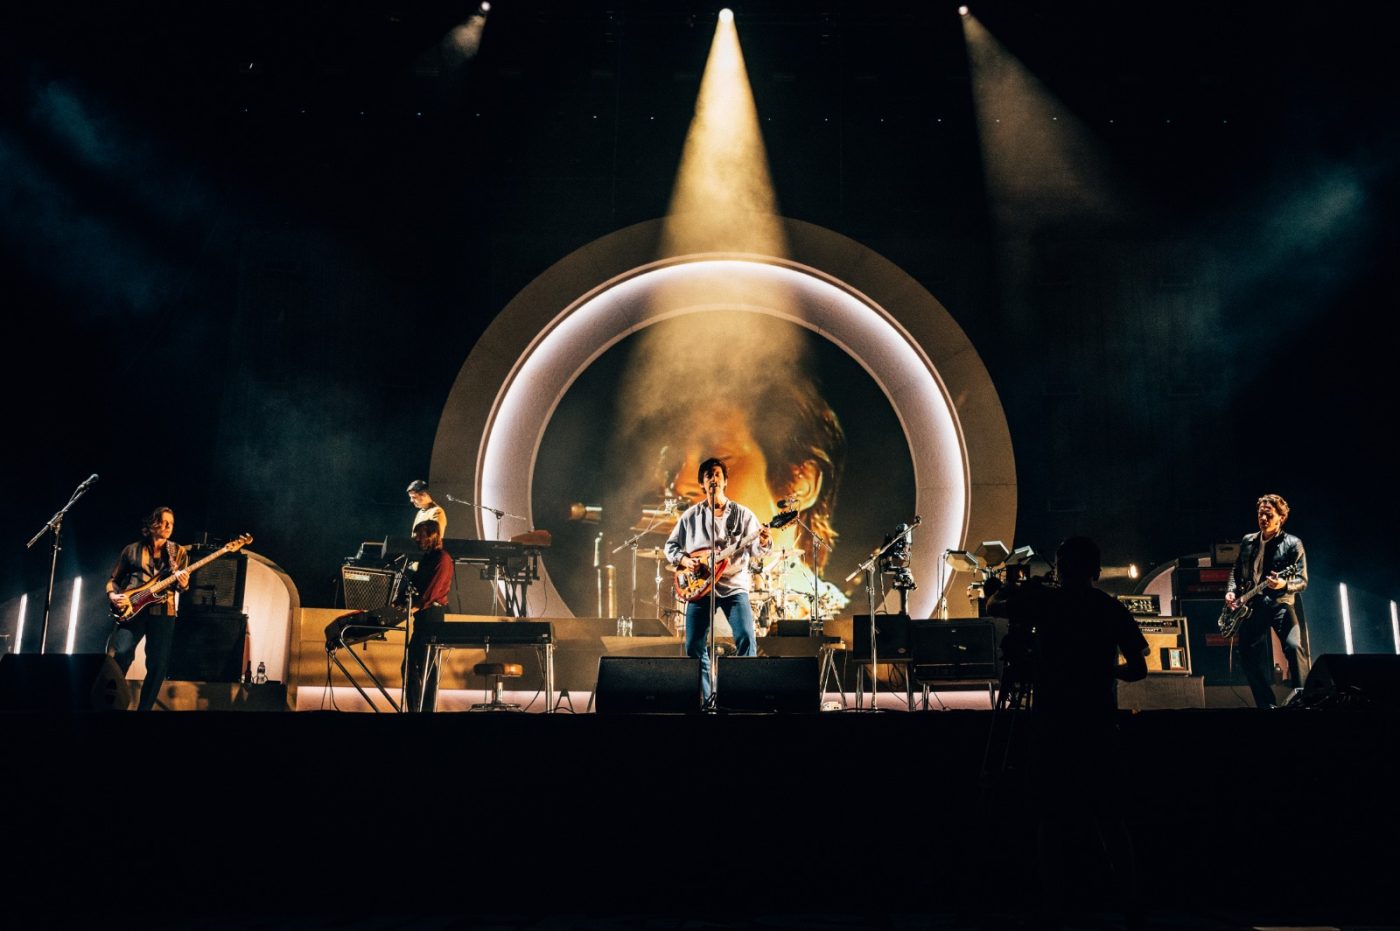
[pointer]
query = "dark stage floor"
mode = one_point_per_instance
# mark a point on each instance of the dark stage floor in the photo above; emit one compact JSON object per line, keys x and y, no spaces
{"x":1240,"y":818}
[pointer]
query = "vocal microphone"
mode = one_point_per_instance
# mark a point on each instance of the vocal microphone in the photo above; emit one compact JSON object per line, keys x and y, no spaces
{"x":783,"y":504}
{"x":592,"y":513}
{"x":454,"y":500}
{"x":90,"y":479}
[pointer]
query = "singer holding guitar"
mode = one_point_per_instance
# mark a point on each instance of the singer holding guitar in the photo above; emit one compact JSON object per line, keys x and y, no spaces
{"x":1264,"y":556}
{"x":148,"y":559}
{"x":717,"y":523}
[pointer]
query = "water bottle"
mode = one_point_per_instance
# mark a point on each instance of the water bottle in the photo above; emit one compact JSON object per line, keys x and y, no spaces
{"x":248,"y":673}
{"x":261,"y":677}
{"x":622,"y":627}
{"x":627,"y":631}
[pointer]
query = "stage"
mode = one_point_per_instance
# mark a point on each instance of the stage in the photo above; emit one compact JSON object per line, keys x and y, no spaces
{"x":355,"y":815}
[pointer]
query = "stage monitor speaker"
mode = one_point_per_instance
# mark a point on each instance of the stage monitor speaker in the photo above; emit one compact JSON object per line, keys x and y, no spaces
{"x":367,"y":589}
{"x":219,"y":584}
{"x":1366,"y":680}
{"x":950,"y":650}
{"x":62,"y":682}
{"x":208,"y":646}
{"x":648,"y":685}
{"x":891,"y":637}
{"x":769,"y":683}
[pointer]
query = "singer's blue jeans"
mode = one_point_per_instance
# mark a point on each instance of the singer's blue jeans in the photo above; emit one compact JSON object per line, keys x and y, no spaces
{"x":737,"y":612}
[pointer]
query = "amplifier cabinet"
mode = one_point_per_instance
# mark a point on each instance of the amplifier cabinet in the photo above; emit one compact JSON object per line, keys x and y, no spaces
{"x":366,"y":589}
{"x":1169,"y":647}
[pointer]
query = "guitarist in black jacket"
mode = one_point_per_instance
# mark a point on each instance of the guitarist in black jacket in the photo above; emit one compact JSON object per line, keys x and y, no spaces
{"x":1263,"y":556}
{"x":148,"y":559}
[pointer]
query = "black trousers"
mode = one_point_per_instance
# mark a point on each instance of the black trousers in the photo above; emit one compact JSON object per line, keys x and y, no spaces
{"x":158,"y":630}
{"x":422,"y":681}
{"x":1257,"y":650}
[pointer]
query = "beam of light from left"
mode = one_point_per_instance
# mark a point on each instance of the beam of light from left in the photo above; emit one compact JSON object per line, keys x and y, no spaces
{"x":73,"y":615}
{"x":1346,"y":617}
{"x":1395,"y":628}
{"x":24,"y":609}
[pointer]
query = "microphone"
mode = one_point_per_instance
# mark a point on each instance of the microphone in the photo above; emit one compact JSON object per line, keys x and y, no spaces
{"x":454,"y":500}
{"x":592,"y":513}
{"x":88,"y":484}
{"x":784,"y":503}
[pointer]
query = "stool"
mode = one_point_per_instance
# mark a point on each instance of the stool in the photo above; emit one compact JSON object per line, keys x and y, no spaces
{"x":497,"y":672}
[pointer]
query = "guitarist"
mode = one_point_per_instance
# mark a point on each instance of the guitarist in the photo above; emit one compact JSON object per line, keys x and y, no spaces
{"x":153,"y":557}
{"x":717,"y":522}
{"x":1264,"y":555}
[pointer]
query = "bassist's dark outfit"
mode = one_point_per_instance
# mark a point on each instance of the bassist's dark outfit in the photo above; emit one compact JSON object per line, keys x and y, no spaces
{"x":1273,"y":609}
{"x":136,"y":566}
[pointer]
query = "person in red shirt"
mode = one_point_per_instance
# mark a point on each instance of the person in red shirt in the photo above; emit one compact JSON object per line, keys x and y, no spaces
{"x":432,"y":583}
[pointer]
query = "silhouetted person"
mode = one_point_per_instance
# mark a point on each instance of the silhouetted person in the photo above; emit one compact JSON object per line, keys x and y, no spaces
{"x":1076,"y":783}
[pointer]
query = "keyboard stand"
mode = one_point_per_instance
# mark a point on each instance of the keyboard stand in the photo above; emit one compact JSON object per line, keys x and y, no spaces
{"x":347,"y":644}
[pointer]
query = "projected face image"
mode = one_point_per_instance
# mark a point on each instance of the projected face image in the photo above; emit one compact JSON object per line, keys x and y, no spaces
{"x":631,"y":432}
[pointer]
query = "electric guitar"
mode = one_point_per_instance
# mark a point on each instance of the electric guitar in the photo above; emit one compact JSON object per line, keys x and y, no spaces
{"x":1230,"y":621}
{"x":141,"y":597}
{"x":694,"y":584}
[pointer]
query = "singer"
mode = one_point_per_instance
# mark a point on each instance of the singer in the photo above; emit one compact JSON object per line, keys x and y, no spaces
{"x":146,"y":560}
{"x":720,"y":524}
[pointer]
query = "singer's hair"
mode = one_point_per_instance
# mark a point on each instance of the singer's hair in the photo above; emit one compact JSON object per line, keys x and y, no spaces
{"x":153,"y":520}
{"x":1277,"y":503}
{"x":709,"y":464}
{"x":417,"y":485}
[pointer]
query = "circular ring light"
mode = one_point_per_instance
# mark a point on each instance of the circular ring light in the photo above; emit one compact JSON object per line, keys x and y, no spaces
{"x":498,"y":410}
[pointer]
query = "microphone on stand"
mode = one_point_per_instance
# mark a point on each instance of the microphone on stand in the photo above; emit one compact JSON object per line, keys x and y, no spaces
{"x":592,"y":513}
{"x":783,"y":504}
{"x":91,"y":479}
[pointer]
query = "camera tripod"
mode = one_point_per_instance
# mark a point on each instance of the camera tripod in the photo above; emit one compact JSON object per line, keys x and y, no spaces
{"x":1015,"y":693}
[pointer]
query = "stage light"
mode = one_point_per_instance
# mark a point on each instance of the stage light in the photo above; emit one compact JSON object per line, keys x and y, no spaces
{"x":726,"y":15}
{"x":963,"y":11}
{"x":1346,"y":617}
{"x":24,"y":609}
{"x":73,"y":614}
{"x":1395,"y":628}
{"x":485,"y":7}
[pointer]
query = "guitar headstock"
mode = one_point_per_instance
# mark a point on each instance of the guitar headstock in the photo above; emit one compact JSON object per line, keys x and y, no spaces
{"x":234,"y":546}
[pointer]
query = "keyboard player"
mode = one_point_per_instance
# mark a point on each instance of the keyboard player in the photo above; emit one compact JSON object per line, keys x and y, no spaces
{"x":432,"y":583}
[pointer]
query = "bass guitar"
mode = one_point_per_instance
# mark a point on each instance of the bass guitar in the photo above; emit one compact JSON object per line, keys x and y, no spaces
{"x":1230,"y":621}
{"x":695,"y":584}
{"x":142,"y":597}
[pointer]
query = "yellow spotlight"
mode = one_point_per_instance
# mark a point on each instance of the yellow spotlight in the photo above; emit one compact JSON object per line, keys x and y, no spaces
{"x":723,"y":197}
{"x":962,"y":11}
{"x":726,"y":15}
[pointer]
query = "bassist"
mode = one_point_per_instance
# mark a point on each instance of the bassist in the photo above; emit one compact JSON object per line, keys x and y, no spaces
{"x":1264,"y":556}
{"x":718,"y":522}
{"x":153,"y":557}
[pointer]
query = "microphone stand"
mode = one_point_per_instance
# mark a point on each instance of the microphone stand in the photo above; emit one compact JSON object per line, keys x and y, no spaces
{"x":868,"y":567}
{"x":633,"y":541}
{"x":815,"y":621}
{"x":55,"y":524}
{"x":714,"y":595}
{"x":495,"y":567}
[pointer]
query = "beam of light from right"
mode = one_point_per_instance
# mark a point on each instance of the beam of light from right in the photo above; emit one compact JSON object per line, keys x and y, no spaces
{"x":1395,"y":628}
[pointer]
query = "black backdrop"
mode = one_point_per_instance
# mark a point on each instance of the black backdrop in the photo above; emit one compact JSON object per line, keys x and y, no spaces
{"x":247,"y":246}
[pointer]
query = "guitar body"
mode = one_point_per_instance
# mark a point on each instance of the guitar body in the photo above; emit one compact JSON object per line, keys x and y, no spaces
{"x":156,"y":591}
{"x":1230,"y":621}
{"x":695,"y":584}
{"x":138,"y":600}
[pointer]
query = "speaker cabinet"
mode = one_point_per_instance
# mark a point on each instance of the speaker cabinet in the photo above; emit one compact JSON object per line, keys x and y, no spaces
{"x":769,"y":683}
{"x":208,"y":645}
{"x":62,"y":682}
{"x":951,"y":650}
{"x":648,"y":685}
{"x":891,"y":637}
{"x":366,"y":589}
{"x":1369,"y":680}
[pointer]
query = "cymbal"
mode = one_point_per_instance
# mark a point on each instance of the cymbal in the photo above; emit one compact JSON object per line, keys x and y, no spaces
{"x":651,"y":553}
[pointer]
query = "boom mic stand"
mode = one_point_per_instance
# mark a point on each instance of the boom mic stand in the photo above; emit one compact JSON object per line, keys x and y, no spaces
{"x":869,"y":568}
{"x":55,"y":524}
{"x":495,"y":567}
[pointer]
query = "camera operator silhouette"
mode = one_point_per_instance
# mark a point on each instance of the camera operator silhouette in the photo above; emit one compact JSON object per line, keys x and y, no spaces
{"x":1079,"y":633}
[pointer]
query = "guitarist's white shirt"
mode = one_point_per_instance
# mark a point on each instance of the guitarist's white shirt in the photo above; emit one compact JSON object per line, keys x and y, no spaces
{"x":735,"y":525}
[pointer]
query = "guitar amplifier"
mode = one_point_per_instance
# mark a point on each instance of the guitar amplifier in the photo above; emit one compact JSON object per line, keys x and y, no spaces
{"x":219,"y":584}
{"x":366,"y":589}
{"x":1169,"y":650}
